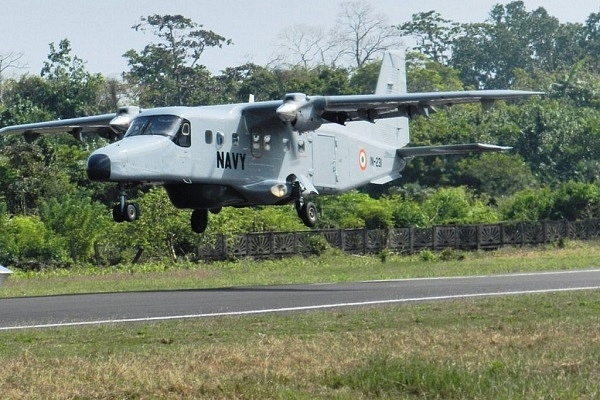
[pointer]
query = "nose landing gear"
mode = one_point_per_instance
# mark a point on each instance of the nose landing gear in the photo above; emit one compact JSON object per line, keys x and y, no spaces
{"x":125,"y":211}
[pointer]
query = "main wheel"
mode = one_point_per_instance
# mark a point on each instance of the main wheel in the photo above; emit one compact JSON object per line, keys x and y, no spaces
{"x":308,"y":214}
{"x":199,"y":220}
{"x":117,"y":214}
{"x":131,"y":212}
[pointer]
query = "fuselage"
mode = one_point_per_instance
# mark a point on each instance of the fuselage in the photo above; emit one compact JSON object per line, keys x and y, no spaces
{"x":213,"y":156}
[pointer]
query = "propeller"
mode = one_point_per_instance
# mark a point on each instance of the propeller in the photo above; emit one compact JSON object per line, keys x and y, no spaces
{"x":121,"y":122}
{"x":301,"y":111}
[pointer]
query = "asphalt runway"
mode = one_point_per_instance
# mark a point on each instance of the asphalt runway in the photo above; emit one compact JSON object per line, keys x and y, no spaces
{"x":90,"y":309}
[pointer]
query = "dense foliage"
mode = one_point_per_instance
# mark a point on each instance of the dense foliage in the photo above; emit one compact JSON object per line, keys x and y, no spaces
{"x":49,"y":211}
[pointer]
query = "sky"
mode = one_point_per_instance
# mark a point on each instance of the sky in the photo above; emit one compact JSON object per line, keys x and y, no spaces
{"x":100,"y":31}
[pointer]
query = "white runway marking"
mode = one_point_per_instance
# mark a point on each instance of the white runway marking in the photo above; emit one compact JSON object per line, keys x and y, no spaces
{"x":302,"y":308}
{"x":433,"y":278}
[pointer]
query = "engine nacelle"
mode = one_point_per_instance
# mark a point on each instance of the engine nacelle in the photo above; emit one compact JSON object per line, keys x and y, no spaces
{"x":303,"y":113}
{"x":120,"y":123}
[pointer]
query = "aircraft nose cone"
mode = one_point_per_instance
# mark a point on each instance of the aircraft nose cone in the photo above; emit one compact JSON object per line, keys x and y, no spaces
{"x":98,"y":167}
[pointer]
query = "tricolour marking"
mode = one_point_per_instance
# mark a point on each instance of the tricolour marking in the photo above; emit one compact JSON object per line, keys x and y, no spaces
{"x":300,"y":308}
{"x":362,"y":159}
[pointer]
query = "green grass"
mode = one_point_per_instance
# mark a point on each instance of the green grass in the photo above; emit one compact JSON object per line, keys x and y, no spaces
{"x":334,"y":267}
{"x":513,"y":347}
{"x":517,"y":347}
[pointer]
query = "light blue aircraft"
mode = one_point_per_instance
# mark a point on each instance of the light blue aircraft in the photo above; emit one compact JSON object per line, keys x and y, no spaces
{"x":265,"y":153}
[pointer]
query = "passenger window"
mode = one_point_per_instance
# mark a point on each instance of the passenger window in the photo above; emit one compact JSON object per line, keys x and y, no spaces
{"x":208,"y":136}
{"x":257,"y":145}
{"x":235,"y":139}
{"x":256,"y":142}
{"x":220,"y":139}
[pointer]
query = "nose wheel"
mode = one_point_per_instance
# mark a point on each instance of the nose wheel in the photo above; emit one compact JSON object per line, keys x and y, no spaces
{"x":129,"y":212}
{"x":125,"y":211}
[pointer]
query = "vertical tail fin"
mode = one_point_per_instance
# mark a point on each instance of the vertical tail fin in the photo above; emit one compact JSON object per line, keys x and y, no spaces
{"x":392,"y":80}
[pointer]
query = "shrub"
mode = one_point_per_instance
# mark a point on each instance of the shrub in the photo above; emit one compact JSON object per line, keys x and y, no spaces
{"x":576,"y":200}
{"x":318,"y":245}
{"x":528,"y":205}
{"x":457,"y":206}
{"x":26,"y":238}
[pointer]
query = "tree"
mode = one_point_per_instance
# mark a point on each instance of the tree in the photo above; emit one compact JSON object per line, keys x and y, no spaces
{"x":591,"y":39}
{"x":363,"y":79}
{"x":361,"y":34}
{"x":433,"y":34}
{"x":8,"y":61}
{"x":425,"y":75}
{"x":306,"y":46}
{"x":71,"y":91}
{"x":169,"y":72}
{"x":558,"y":140}
{"x":486,"y":54}
{"x":496,"y":174}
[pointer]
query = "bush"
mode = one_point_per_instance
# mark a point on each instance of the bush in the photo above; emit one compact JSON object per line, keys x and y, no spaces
{"x":528,"y":205}
{"x":457,"y":206}
{"x":576,"y":200}
{"x":26,"y":238}
{"x":78,"y":221}
{"x":376,"y":214}
{"x":318,"y":245}
{"x":407,"y":213}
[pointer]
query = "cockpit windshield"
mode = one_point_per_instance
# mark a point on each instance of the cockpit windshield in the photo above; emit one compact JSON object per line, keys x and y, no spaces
{"x":163,"y":125}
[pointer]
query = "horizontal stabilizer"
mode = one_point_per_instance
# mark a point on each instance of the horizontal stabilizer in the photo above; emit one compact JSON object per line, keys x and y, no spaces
{"x":407,"y":152}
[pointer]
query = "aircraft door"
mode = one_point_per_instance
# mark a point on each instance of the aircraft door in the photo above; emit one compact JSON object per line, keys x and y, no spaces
{"x":178,"y":160}
{"x":324,"y":164}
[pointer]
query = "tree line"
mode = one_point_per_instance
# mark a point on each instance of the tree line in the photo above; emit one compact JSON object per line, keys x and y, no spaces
{"x":49,"y":211}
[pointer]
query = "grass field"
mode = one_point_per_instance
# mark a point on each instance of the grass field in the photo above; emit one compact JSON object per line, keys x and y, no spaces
{"x":524,"y":347}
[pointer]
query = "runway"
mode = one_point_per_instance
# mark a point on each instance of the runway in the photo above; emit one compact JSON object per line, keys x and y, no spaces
{"x":105,"y":308}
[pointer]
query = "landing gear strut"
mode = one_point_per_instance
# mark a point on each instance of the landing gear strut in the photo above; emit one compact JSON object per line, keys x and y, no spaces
{"x":125,"y":211}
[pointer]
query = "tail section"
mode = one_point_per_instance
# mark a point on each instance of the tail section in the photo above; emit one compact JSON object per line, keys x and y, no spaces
{"x":392,"y":75}
{"x":391,"y":132}
{"x":392,"y":80}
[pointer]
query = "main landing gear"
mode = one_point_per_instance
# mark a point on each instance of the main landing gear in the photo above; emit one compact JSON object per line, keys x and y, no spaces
{"x":199,"y":219}
{"x":307,"y":211}
{"x":125,"y":211}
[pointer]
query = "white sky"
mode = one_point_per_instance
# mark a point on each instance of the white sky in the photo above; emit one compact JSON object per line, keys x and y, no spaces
{"x":100,"y":31}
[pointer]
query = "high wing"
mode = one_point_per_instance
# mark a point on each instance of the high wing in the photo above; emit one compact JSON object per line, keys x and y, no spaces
{"x":308,"y":113}
{"x":110,"y":126}
{"x":305,"y":113}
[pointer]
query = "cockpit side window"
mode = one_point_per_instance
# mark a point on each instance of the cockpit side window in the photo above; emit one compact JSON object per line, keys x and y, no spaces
{"x":184,"y":136}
